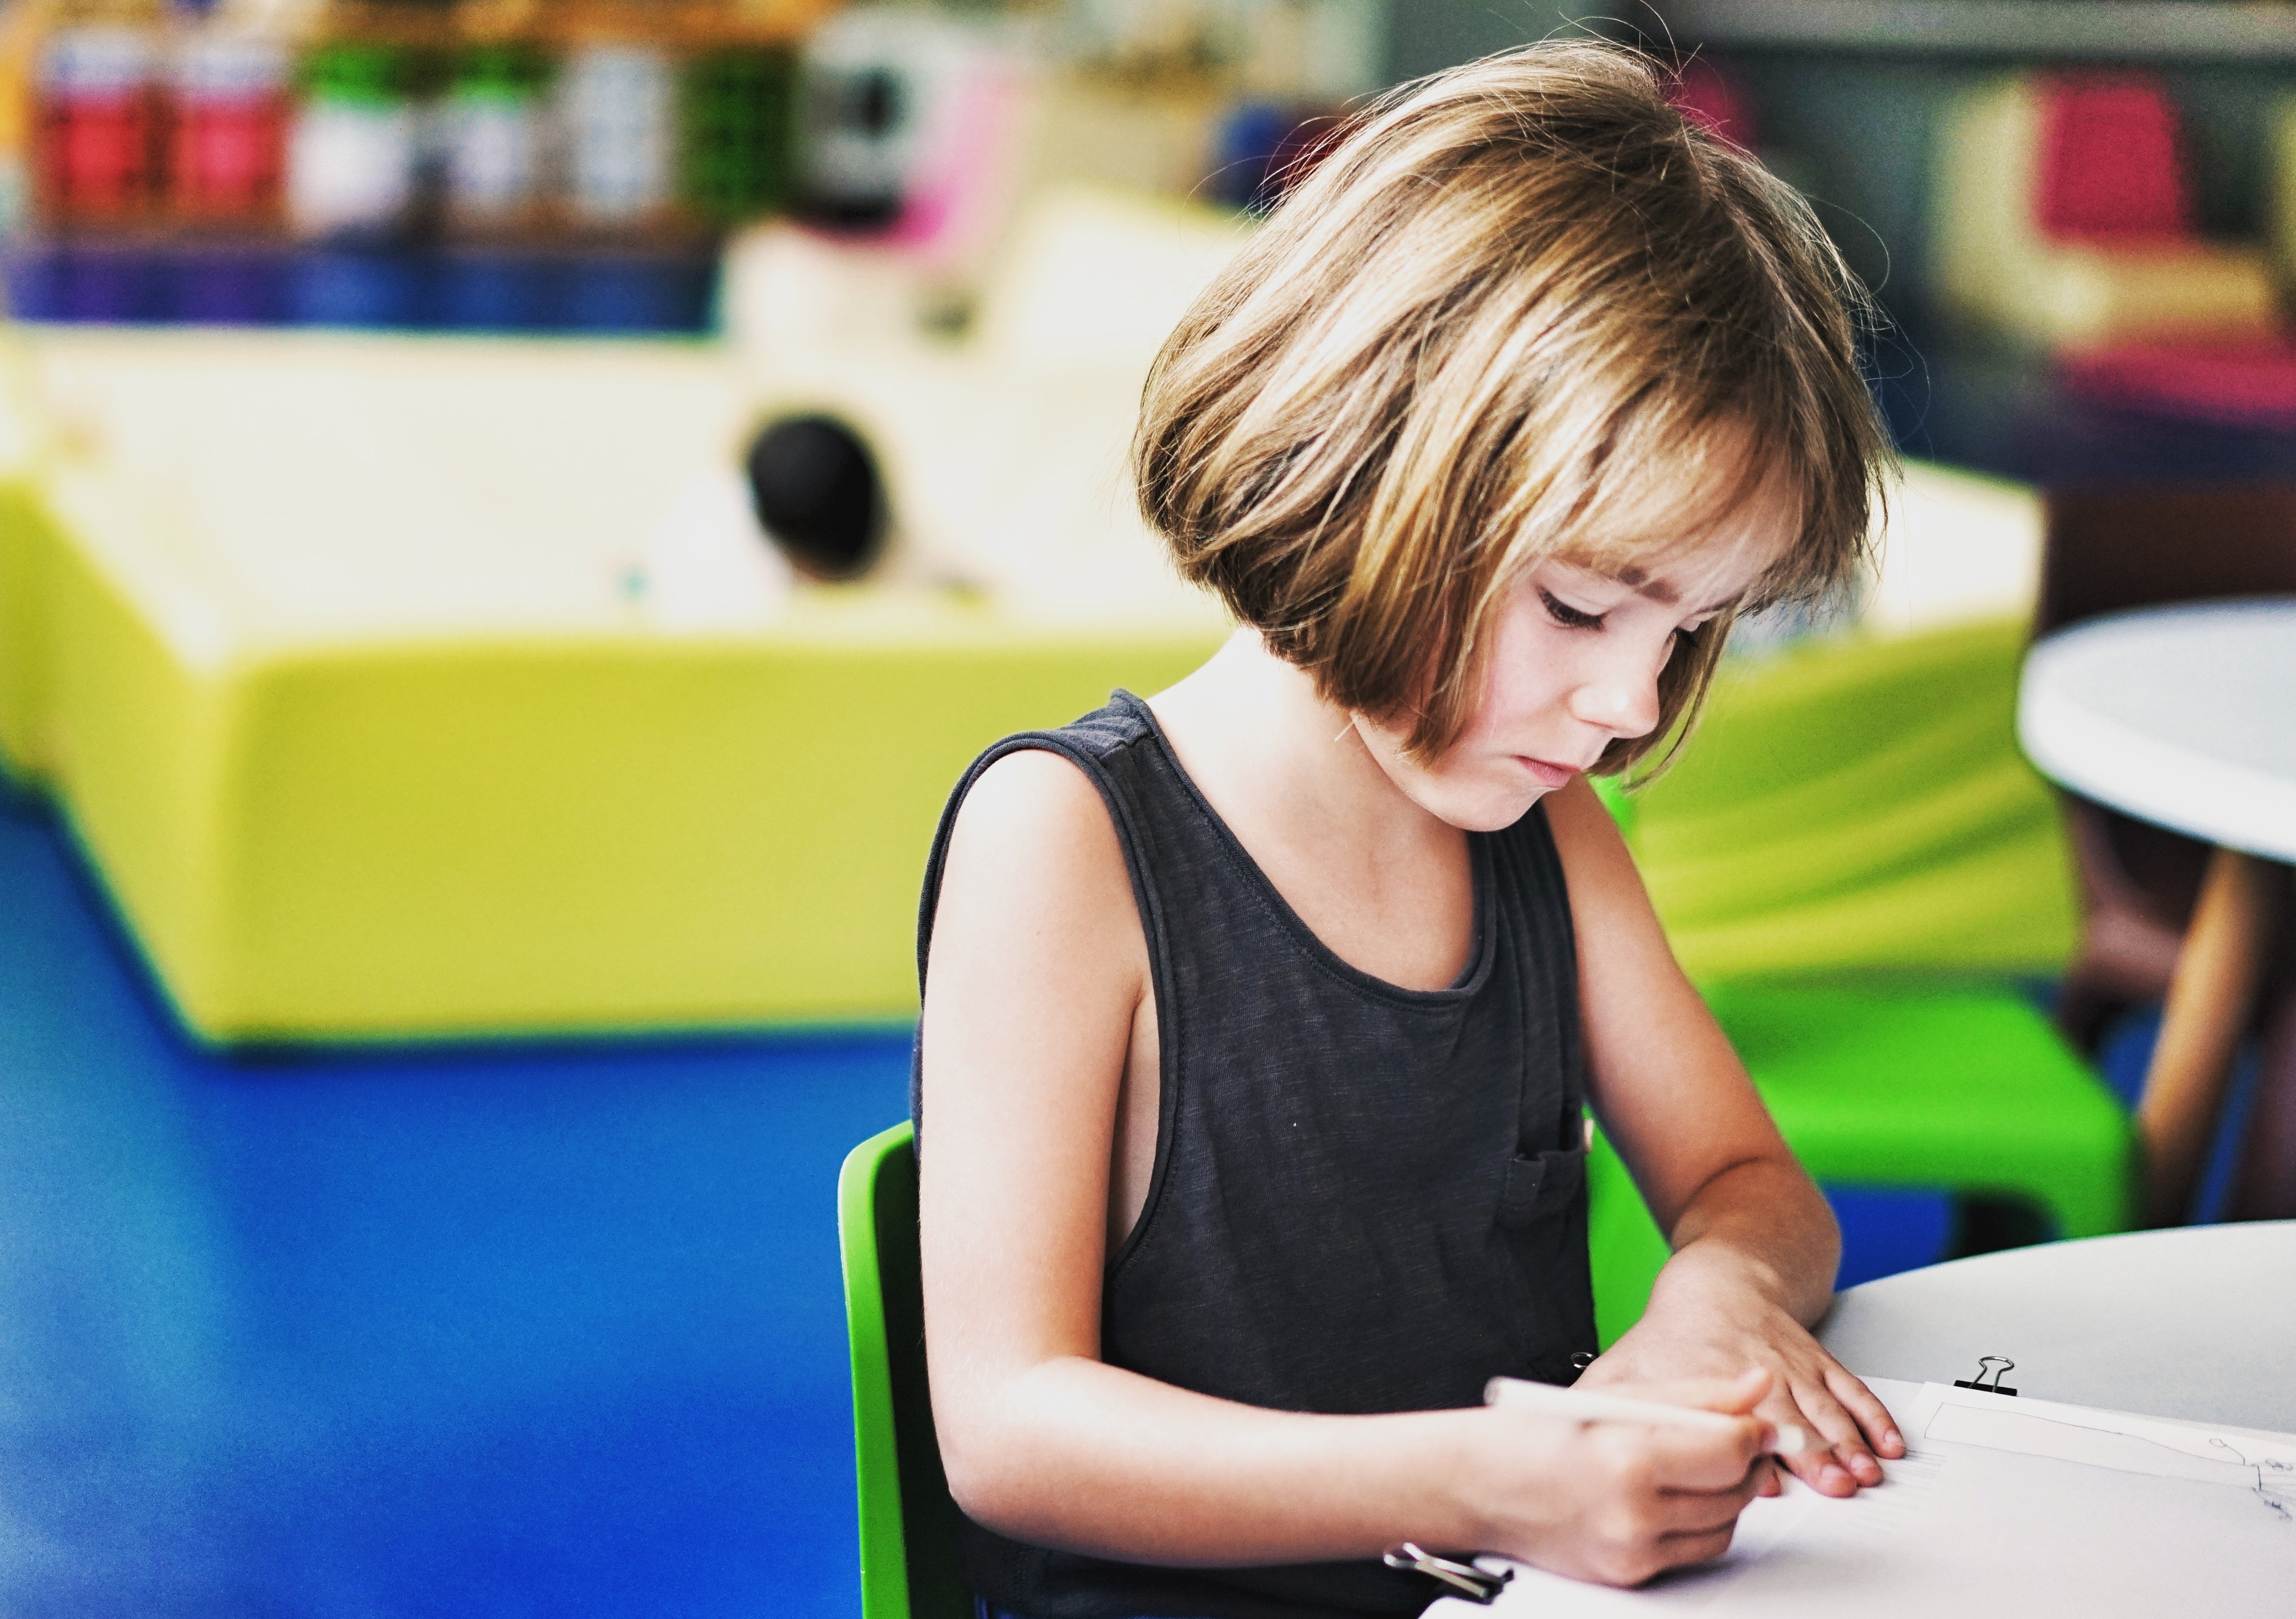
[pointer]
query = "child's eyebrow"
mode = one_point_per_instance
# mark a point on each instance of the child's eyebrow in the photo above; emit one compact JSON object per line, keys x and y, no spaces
{"x":1657,"y":590}
{"x":1661,"y":592}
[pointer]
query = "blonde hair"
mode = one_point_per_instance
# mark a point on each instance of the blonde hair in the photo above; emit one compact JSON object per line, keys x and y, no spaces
{"x":1509,"y":299}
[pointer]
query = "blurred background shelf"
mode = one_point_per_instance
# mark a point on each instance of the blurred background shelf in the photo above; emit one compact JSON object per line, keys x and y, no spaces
{"x":2122,"y":30}
{"x":535,"y":289}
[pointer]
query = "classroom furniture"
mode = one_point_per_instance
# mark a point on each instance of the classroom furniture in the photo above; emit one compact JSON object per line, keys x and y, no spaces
{"x":1955,"y":396}
{"x":2248,"y":382}
{"x":2192,"y":1323}
{"x":1856,"y":803}
{"x":1002,"y":457}
{"x":425,"y":687}
{"x":909,"y":1565}
{"x":2109,"y":548}
{"x":2110,"y":30}
{"x":580,"y":292}
{"x":1851,"y":859}
{"x":2185,"y":716}
{"x":2038,"y":1501}
{"x":1961,"y":548}
{"x":1965,"y":1088}
{"x":2063,"y":216}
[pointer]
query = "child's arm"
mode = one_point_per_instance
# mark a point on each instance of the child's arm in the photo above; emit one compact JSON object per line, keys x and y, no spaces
{"x":1755,"y":1243}
{"x":1037,"y":977}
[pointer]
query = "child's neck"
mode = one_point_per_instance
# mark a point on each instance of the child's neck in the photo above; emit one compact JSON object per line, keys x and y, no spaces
{"x":1382,"y":881}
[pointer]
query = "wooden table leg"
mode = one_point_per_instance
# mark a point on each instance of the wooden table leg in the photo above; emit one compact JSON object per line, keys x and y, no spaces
{"x":2266,"y":1187}
{"x":2208,"y":1003}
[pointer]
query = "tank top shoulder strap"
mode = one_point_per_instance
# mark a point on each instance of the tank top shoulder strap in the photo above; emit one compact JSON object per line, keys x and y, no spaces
{"x":1117,"y":748}
{"x":1101,"y":745}
{"x":1535,"y":908}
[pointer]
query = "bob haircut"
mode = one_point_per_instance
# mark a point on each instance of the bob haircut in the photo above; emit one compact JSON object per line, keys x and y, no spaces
{"x":1521,"y":309}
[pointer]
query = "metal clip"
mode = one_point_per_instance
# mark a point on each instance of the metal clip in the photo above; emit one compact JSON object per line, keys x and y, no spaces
{"x":1475,"y":1585}
{"x":1979,"y":1382}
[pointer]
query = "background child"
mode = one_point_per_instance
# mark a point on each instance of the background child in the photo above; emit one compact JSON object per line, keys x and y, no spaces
{"x":1261,"y":1016}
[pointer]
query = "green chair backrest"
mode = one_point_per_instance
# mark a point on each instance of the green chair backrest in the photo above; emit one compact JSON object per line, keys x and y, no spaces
{"x":909,"y":1565}
{"x":1859,"y":802}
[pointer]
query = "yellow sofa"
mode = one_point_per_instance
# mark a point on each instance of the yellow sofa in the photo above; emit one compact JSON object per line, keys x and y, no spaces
{"x":335,"y":653}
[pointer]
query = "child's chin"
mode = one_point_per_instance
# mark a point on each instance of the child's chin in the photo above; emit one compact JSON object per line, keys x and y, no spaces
{"x":1492,"y":811}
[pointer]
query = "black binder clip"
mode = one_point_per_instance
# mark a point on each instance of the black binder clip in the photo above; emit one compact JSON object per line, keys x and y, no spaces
{"x":1475,"y":1585}
{"x":1979,"y":1382}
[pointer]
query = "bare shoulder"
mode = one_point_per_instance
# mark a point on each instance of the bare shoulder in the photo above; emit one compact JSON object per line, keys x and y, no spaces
{"x":1034,"y":871}
{"x":1035,"y":971}
{"x":1034,"y":816}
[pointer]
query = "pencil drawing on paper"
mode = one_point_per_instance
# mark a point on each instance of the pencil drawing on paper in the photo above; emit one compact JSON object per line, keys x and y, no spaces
{"x":2275,"y":1478}
{"x":2162,"y":1450}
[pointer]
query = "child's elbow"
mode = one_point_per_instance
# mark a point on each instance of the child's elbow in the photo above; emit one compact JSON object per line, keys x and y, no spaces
{"x":971,"y":1482}
{"x":988,"y":1489}
{"x":1004,"y":1473}
{"x":986,"y":1477}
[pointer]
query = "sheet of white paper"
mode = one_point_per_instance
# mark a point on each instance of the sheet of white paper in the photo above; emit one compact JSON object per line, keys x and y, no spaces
{"x":2239,"y":1458}
{"x":2003,"y":1505}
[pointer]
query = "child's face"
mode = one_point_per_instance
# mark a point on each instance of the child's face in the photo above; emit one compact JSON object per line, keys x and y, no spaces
{"x":1574,"y":664}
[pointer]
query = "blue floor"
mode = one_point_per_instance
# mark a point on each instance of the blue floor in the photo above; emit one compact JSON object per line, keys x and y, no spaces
{"x":526,"y":1332}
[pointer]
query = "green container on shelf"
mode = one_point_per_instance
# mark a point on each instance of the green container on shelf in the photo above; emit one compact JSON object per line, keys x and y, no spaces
{"x":377,"y":75}
{"x":737,"y":122}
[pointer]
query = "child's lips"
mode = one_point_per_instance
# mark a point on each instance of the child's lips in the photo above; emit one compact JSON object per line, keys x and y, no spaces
{"x":1549,"y":776}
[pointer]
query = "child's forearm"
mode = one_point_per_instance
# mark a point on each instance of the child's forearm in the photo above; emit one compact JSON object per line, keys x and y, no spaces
{"x":1083,"y":1456}
{"x":1075,"y":1454}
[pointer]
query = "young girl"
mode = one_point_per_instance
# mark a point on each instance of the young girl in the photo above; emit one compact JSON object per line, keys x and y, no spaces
{"x":1260,"y":1018}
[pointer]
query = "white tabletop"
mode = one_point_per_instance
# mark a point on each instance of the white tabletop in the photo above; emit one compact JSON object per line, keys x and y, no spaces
{"x":2181,"y":716}
{"x":2197,"y":1323}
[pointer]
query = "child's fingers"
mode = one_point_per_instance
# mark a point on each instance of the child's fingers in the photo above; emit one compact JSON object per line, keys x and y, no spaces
{"x":1711,"y":1465}
{"x":1880,"y":1428}
{"x":1704,"y":1511}
{"x":1681,"y":1552}
{"x":1840,"y":1462}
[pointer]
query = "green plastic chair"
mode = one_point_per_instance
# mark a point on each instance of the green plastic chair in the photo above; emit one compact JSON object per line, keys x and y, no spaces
{"x":1852,"y":860}
{"x":1860,"y":803}
{"x":909,"y":1565}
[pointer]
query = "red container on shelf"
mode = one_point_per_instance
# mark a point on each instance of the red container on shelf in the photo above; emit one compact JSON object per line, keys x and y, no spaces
{"x":96,"y":143}
{"x":229,"y":151}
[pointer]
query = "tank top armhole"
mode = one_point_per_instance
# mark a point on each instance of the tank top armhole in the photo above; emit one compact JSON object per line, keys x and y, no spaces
{"x":1152,"y":935}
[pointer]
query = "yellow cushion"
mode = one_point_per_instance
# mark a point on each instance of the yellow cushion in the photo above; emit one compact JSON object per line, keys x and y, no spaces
{"x":340,"y":681}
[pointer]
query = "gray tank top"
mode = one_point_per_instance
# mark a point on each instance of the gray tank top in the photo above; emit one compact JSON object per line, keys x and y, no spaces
{"x":1366,"y":1198}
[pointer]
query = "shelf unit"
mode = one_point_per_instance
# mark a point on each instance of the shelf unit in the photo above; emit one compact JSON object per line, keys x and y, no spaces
{"x":2150,"y":30}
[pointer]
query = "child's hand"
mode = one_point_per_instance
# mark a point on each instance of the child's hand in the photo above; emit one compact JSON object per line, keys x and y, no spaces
{"x":1698,"y":1325}
{"x":1619,"y":1503}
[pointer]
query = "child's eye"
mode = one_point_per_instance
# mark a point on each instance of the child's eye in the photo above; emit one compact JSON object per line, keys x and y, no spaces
{"x":1570,"y":618}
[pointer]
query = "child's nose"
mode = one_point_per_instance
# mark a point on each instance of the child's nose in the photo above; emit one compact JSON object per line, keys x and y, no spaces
{"x":1623,"y":702}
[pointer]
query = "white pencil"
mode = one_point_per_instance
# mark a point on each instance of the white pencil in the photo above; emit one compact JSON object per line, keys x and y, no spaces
{"x":1570,"y":1402}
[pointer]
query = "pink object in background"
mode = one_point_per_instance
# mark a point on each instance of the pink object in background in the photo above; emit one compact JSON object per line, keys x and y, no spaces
{"x":2110,"y":168}
{"x":961,"y":186}
{"x":2251,"y":384}
{"x":1707,"y":97}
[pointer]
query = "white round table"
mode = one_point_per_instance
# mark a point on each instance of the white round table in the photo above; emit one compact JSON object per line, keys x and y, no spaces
{"x":2197,"y":1323}
{"x":2185,"y":716}
{"x":2181,"y":716}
